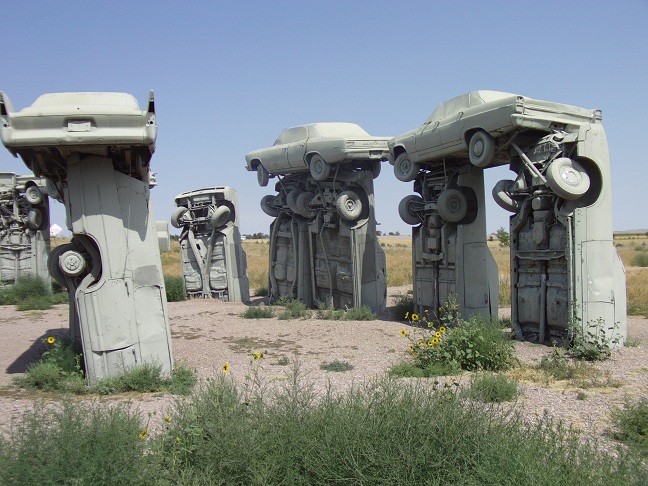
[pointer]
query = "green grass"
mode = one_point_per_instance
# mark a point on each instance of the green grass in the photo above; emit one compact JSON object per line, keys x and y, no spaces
{"x":492,"y":388}
{"x":258,"y":312}
{"x":336,"y":366}
{"x":363,"y":313}
{"x":175,"y":291}
{"x":293,"y":309}
{"x":385,"y":432}
{"x":30,"y":292}
{"x":631,"y":424}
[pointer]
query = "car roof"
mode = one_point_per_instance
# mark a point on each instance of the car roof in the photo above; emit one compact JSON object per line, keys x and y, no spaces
{"x":474,"y":98}
{"x":322,"y":129}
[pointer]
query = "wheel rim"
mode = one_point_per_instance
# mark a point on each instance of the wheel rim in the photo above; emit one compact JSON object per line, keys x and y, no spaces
{"x":478,"y":148}
{"x":571,"y":176}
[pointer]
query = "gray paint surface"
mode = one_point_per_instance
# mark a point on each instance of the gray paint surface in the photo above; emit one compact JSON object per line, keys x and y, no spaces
{"x":95,"y":149}
{"x":564,"y":267}
{"x":24,"y":227}
{"x":213,"y":262}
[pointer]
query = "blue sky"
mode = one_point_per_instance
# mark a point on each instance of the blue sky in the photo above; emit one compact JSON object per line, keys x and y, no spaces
{"x":229,"y":76}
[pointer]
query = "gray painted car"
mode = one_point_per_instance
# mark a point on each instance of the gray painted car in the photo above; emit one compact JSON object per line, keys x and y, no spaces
{"x":480,"y":124}
{"x":315,"y":147}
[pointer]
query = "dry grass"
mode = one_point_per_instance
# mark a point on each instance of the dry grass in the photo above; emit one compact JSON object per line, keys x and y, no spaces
{"x":398,"y":253}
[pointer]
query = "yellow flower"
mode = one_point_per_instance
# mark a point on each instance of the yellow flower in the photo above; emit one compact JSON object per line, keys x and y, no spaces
{"x":403,"y":332}
{"x":431,"y":342}
{"x":429,"y":324}
{"x":442,"y":329}
{"x":426,"y":311}
{"x":143,"y":434}
{"x":167,"y":419}
{"x":51,"y":340}
{"x":257,"y":355}
{"x":225,"y":367}
{"x":420,"y":342}
{"x":435,"y":341}
{"x":177,"y":439}
{"x":437,"y":334}
{"x":411,"y":347}
{"x":407,"y":315}
{"x":415,"y":317}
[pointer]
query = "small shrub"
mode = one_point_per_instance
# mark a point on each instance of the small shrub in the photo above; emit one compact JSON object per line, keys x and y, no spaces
{"x":261,"y":292}
{"x":363,"y":313}
{"x":581,"y":395}
{"x":633,"y":342}
{"x":146,"y":378}
{"x":404,"y":304}
{"x":591,"y":344}
{"x":640,"y":259}
{"x":35,"y":302}
{"x":293,"y":309}
{"x":336,"y":366}
{"x":29,"y":292}
{"x":492,"y":388}
{"x":175,"y":291}
{"x":258,"y":312}
{"x":182,"y":380}
{"x":631,"y":423}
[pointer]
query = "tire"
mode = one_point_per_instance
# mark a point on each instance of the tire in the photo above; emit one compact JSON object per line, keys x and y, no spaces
{"x":452,"y":205}
{"x":72,"y":263}
{"x":303,"y":200}
{"x":177,"y":215}
{"x":267,"y":208}
{"x":567,"y":178}
{"x":291,"y":199}
{"x":349,"y":205}
{"x":481,"y":149}
{"x":404,"y":169}
{"x":376,"y":167}
{"x":53,"y":264}
{"x":34,"y":219}
{"x":501,"y":195}
{"x":404,"y":209}
{"x":219,"y":217}
{"x":33,"y":195}
{"x":262,"y":175}
{"x":319,"y":168}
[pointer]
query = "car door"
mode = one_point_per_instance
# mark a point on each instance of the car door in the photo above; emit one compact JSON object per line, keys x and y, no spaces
{"x":428,"y":141}
{"x":297,"y":147}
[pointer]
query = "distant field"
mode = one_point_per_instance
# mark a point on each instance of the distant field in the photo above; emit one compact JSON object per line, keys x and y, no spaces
{"x":398,"y":254}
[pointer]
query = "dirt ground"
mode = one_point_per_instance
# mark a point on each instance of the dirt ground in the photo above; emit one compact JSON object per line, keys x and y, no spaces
{"x":207,"y":334}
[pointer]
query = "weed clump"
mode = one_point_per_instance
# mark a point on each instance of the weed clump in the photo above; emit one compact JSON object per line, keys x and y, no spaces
{"x":363,"y":313}
{"x":31,"y":292}
{"x":293,"y":309}
{"x":175,"y":290}
{"x":631,"y":424}
{"x":258,"y":312}
{"x":492,"y":388}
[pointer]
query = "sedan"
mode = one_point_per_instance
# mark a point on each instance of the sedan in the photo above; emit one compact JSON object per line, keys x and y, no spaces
{"x":480,"y":125}
{"x":315,"y":148}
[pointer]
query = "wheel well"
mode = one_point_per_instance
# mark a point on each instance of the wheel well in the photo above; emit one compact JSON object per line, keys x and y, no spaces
{"x":255,"y":163}
{"x":398,"y":150}
{"x":309,"y":156}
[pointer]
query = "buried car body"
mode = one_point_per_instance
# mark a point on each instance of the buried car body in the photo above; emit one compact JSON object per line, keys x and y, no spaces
{"x":314,"y":148}
{"x":481,"y":125}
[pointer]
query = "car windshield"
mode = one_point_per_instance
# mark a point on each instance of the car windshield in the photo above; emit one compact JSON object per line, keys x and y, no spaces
{"x":468,"y":100}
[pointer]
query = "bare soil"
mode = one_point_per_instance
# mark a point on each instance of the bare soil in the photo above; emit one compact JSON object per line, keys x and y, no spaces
{"x":209,"y":333}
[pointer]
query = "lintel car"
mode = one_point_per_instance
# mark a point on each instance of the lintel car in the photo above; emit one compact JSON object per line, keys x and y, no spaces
{"x":480,"y":124}
{"x":314,"y":148}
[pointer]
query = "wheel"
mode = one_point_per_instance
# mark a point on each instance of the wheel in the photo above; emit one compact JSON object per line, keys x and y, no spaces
{"x":266,"y":206}
{"x":291,"y":199}
{"x":72,"y":263}
{"x":53,"y":264}
{"x":376,"y":167}
{"x":481,"y":149}
{"x":452,"y":205}
{"x":262,"y":175}
{"x":33,"y":195}
{"x":404,"y":169}
{"x":567,"y":178}
{"x":177,"y":215}
{"x":319,"y":168}
{"x":501,"y":194}
{"x":34,"y":218}
{"x":348,"y":205}
{"x":219,"y":217}
{"x":302,"y":203}
{"x":405,"y":209}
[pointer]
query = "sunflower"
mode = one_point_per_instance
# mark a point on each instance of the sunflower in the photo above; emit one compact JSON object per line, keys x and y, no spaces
{"x":411,"y":347}
{"x":403,"y":332}
{"x":143,"y":434}
{"x":167,"y":419}
{"x":51,"y":340}
{"x":431,"y":342}
{"x":420,"y":342}
{"x":435,"y":341}
{"x":257,"y":356}
{"x":225,"y":367}
{"x":442,"y":329}
{"x":437,"y":334}
{"x":415,"y":317}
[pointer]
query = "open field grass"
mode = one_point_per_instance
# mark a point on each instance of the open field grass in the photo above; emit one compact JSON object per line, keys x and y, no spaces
{"x":398,"y":253}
